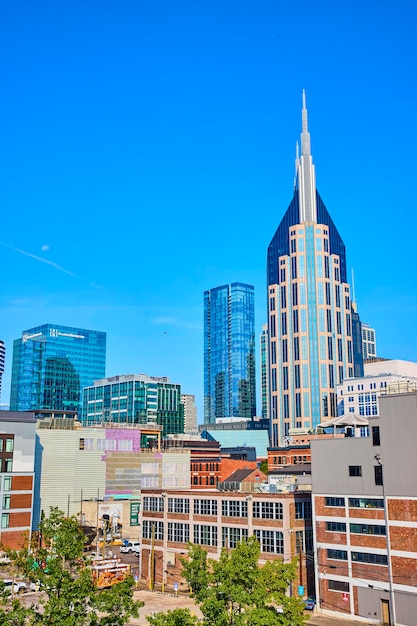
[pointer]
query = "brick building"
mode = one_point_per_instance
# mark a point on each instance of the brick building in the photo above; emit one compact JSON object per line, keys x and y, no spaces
{"x":17,"y":460}
{"x":365,"y":511}
{"x":216,"y":520}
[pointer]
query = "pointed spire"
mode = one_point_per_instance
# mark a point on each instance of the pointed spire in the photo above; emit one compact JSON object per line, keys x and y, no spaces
{"x":306,"y":178}
{"x":305,"y":135}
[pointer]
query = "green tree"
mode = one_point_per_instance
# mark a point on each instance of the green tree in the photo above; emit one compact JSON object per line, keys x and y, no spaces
{"x":264,"y":467}
{"x":196,"y":572}
{"x":178,"y":617}
{"x":240,"y":592}
{"x":69,"y":595}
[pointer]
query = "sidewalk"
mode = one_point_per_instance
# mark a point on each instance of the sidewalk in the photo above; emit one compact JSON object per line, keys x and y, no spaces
{"x":158,"y":601}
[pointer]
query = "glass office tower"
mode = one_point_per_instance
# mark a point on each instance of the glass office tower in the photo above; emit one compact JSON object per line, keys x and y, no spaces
{"x":51,"y":366}
{"x":229,"y":352}
{"x":312,"y":327}
{"x":134,"y":399}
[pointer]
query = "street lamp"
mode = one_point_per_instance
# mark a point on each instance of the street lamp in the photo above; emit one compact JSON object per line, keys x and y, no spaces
{"x":392,"y":612}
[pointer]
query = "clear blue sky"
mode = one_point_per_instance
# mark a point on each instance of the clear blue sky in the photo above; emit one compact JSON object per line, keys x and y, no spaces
{"x":147,"y":154}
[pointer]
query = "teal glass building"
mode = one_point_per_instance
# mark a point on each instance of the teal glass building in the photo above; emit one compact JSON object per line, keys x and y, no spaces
{"x":314,"y":331}
{"x":51,"y":366}
{"x":134,"y":399}
{"x":229,"y":352}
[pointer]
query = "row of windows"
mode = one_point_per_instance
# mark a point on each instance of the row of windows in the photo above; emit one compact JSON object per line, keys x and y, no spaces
{"x":362,"y":557}
{"x":357,"y":529}
{"x":230,"y":508}
{"x":207,"y":467}
{"x":356,"y":503}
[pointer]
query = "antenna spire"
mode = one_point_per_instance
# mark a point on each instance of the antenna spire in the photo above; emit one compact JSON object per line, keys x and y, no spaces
{"x":305,"y":135}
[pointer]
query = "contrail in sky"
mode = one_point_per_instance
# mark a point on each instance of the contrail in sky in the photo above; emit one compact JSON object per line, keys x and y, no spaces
{"x":39,"y":258}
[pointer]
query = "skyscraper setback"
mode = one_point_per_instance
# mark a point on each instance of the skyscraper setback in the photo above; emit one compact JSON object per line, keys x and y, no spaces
{"x":229,"y":352}
{"x":312,"y":327}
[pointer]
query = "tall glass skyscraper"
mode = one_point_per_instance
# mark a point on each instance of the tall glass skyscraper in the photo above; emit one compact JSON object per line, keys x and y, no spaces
{"x":51,"y":366}
{"x":229,"y":352}
{"x":313,"y":329}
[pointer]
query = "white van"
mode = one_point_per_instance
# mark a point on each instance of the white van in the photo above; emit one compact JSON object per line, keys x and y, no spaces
{"x":130,"y":546}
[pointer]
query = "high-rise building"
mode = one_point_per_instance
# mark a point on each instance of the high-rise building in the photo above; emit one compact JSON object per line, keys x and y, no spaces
{"x":2,"y":360}
{"x":313,"y":329}
{"x":190,"y":412}
{"x":51,"y":366}
{"x":368,"y":342}
{"x":264,"y":372}
{"x":134,"y":399}
{"x":229,"y":352}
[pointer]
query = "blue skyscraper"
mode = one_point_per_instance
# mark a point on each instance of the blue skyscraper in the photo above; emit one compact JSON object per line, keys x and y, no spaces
{"x":229,"y":352}
{"x":314,"y":331}
{"x":51,"y":366}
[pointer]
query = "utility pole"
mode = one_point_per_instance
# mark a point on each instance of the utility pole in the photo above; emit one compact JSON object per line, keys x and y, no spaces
{"x":392,"y":611}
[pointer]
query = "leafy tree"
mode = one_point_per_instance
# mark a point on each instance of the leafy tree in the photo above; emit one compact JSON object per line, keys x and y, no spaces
{"x":69,"y":595}
{"x":240,"y":592}
{"x":264,"y":467}
{"x":196,"y":572}
{"x":178,"y":617}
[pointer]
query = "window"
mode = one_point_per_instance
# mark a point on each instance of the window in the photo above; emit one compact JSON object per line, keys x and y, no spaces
{"x":178,"y":533}
{"x":158,"y":529}
{"x":232,"y":536}
{"x":7,"y":465}
{"x":153,"y":504}
{"x":368,"y":529}
{"x":268,"y":510}
{"x":366,"y":503}
{"x":338,"y":585}
{"x":6,"y":502}
{"x":336,"y":527}
{"x":339,"y":555}
{"x":367,"y":557}
{"x":234,"y":508}
{"x":375,"y":436}
{"x":5,"y":520}
{"x":7,"y":483}
{"x":9,"y":445}
{"x":178,"y":505}
{"x":303,"y":510}
{"x":355,"y":470}
{"x":334,"y":501}
{"x":81,"y":444}
{"x":205,"y":535}
{"x":270,"y":541}
{"x":378,"y":475}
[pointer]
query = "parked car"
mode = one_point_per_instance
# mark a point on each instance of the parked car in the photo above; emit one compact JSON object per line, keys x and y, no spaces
{"x":95,"y":556}
{"x":4,"y":559}
{"x":130,"y":546}
{"x":309,"y":604}
{"x":17,"y":587}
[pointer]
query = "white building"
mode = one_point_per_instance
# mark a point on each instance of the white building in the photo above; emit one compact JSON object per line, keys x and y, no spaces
{"x":361,"y":395}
